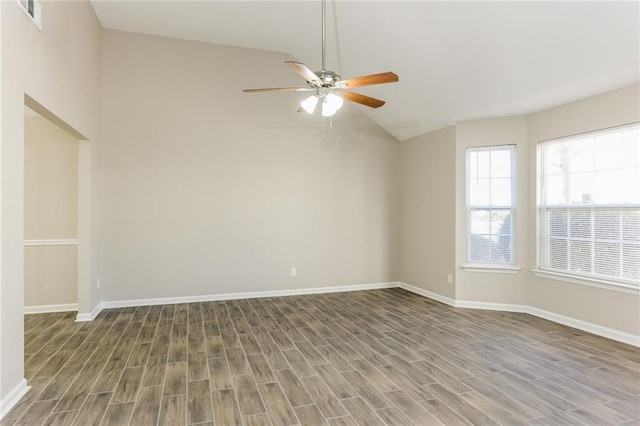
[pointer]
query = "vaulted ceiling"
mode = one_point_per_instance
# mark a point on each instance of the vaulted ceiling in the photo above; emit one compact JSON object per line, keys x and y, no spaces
{"x":456,"y":60}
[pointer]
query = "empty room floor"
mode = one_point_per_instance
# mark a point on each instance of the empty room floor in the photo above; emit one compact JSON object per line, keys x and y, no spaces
{"x":369,"y":358}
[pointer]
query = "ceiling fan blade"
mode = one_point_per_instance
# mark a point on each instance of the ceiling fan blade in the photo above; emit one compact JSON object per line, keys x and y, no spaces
{"x":369,"y":80}
{"x":305,"y":72}
{"x":280,"y":89}
{"x":362,"y":99}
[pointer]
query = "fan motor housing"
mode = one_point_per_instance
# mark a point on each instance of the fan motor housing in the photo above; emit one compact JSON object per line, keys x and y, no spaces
{"x":329,"y":78}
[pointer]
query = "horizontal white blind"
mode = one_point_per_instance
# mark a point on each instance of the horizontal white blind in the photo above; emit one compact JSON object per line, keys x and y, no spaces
{"x":490,"y":201}
{"x":589,"y":212}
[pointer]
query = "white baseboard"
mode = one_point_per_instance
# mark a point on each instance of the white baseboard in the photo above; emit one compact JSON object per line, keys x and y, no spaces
{"x":42,"y":309}
{"x":462,"y":303}
{"x":229,"y":296}
{"x":571,"y":322}
{"x":609,"y":333}
{"x":426,"y":293}
{"x":12,"y":398}
{"x":90,"y":316}
{"x":628,"y":338}
{"x":487,"y":306}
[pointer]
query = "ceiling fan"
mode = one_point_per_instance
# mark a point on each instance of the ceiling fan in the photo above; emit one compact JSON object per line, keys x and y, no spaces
{"x":330,"y":89}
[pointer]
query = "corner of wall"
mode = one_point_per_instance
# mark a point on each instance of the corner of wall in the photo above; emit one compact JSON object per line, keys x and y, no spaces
{"x":13,"y":396}
{"x":489,"y":287}
{"x":427,"y":211}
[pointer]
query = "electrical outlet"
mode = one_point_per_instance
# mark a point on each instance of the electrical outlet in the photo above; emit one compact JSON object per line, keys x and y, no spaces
{"x":294,"y":272}
{"x":98,"y":283}
{"x":450,"y":278}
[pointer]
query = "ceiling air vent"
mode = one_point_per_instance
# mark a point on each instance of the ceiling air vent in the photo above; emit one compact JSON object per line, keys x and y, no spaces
{"x":33,"y":9}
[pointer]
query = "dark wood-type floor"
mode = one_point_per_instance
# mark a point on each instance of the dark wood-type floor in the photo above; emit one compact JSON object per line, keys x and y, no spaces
{"x":369,"y":358}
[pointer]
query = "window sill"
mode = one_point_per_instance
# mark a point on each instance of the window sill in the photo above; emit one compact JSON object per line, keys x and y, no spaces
{"x":495,"y":269}
{"x":591,"y":282}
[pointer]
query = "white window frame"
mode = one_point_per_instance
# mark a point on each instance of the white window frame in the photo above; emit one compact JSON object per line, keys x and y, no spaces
{"x":568,"y":275}
{"x":500,"y":267}
{"x":35,"y":13}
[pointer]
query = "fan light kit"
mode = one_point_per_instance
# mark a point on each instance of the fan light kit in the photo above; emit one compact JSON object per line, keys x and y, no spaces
{"x":330,"y":89}
{"x":330,"y":104}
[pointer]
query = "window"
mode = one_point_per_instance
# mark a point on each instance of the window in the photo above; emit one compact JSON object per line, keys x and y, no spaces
{"x":33,"y":9}
{"x":490,"y":205}
{"x":589,"y":205}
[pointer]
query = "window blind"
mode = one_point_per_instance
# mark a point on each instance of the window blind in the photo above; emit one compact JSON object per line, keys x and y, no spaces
{"x":490,"y":205}
{"x":589,"y":205}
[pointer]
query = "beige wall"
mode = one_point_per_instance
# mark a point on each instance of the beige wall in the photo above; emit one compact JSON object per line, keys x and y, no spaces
{"x":491,"y":286}
{"x":429,"y":169}
{"x":50,"y":181}
{"x":50,"y":211}
{"x":60,"y":68}
{"x":235,"y":189}
{"x":208,"y":190}
{"x":605,"y":307}
{"x":427,"y":210}
{"x":6,"y":318}
{"x":50,"y":275}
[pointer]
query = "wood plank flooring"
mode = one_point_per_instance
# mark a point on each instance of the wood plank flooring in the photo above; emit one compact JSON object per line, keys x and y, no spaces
{"x":383,"y":357}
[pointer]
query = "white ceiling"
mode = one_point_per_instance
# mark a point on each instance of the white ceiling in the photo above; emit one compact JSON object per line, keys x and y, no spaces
{"x":456,"y":60}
